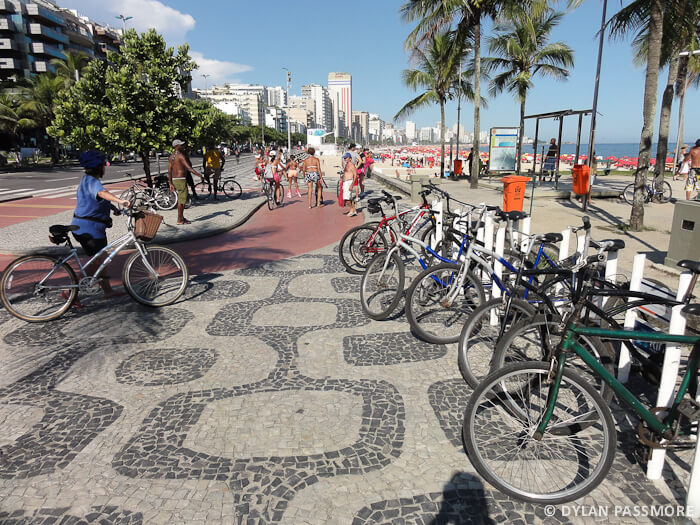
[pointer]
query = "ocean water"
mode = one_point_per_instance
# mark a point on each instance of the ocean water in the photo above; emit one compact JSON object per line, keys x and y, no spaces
{"x":601,"y":150}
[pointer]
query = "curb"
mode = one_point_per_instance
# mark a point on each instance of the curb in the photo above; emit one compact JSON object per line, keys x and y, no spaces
{"x":55,"y":250}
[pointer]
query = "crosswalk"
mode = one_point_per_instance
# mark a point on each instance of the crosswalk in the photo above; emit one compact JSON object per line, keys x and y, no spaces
{"x":51,"y":193}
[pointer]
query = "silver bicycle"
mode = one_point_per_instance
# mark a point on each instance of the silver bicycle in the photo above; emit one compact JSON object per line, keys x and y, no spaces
{"x":39,"y":288}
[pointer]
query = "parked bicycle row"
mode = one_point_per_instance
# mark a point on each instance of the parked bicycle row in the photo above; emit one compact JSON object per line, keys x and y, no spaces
{"x":539,"y":335}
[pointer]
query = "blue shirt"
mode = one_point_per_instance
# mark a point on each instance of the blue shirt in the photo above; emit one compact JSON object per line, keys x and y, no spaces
{"x":90,"y":205}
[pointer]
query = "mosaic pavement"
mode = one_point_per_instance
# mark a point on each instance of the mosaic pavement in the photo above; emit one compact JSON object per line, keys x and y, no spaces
{"x":263,"y":396}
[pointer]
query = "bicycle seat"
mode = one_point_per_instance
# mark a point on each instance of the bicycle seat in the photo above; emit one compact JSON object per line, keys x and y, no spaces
{"x":608,"y":245}
{"x":512,"y":215}
{"x":374,"y":201}
{"x":550,"y":237}
{"x":58,"y":230}
{"x":693,"y":266}
{"x":691,"y":309}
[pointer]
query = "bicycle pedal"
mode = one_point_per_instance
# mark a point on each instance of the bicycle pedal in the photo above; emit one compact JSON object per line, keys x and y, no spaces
{"x":690,"y":409}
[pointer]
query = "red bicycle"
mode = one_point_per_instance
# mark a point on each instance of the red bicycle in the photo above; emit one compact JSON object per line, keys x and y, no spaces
{"x":361,"y":243}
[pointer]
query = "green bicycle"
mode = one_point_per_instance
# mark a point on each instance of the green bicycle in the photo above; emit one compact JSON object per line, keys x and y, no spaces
{"x":541,"y":433}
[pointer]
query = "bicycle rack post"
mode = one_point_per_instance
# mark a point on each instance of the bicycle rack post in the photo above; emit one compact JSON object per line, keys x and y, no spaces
{"x":437,"y":208}
{"x":669,"y":373}
{"x":498,"y":270}
{"x":692,"y":509}
{"x":623,"y":366}
{"x":610,"y":270}
{"x":563,"y":254}
{"x":525,"y":230}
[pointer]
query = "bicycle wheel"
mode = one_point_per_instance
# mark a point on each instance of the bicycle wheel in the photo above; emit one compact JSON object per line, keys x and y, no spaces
{"x":155,"y":290}
{"x":204,"y":189}
{"x":280,"y":198}
{"x":430,"y":317}
{"x":165,"y":199}
{"x":664,"y":195}
{"x":25,"y":295}
{"x":628,"y":194}
{"x":381,"y":290}
{"x":498,"y":432}
{"x":535,"y":339}
{"x":270,"y":194}
{"x":480,"y":334}
{"x":359,"y":245}
{"x":188,"y":201}
{"x":232,"y":189}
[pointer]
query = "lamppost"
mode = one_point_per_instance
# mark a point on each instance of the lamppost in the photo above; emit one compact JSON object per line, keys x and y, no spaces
{"x":289,"y":131}
{"x":124,"y":19}
{"x":594,"y":109}
{"x":206,"y":76}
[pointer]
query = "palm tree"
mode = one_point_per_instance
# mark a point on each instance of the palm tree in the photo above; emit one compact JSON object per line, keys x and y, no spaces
{"x":438,"y":74}
{"x":12,"y":118}
{"x":72,"y":68}
{"x":38,"y":99}
{"x":465,"y":16}
{"x":522,"y":53}
{"x":640,"y":16}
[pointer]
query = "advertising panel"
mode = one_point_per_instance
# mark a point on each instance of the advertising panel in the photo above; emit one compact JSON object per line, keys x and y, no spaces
{"x":503,"y":149}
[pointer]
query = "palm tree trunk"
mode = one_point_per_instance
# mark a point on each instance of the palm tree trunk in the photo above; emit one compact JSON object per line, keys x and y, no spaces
{"x":147,"y":167}
{"x":442,"y":139}
{"x":656,"y":15}
{"x":522,"y":132}
{"x":476,"y":158}
{"x":665,"y":121}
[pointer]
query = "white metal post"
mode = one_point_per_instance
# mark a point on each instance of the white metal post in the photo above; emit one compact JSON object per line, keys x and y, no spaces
{"x":525,"y":230}
{"x":623,"y":366}
{"x":563,"y":254}
{"x":498,"y":270}
{"x":437,"y":208}
{"x":669,"y":373}
{"x":611,"y":270}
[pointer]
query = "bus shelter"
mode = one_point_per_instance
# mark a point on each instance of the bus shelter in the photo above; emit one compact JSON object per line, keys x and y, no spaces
{"x":556,"y":115}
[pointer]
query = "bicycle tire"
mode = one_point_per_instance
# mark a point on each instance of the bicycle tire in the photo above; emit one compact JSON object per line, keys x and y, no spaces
{"x":203,"y":189}
{"x":188,"y":201}
{"x":350,"y":260}
{"x":8,"y":284}
{"x":666,"y":193}
{"x":392,"y":282}
{"x":479,"y":337}
{"x":628,"y":194}
{"x":514,"y":347}
{"x":279,"y":200}
{"x":161,"y":259}
{"x":165,"y":199}
{"x":232,"y":189}
{"x":269,"y":194}
{"x":485,"y":442}
{"x":428,"y":316}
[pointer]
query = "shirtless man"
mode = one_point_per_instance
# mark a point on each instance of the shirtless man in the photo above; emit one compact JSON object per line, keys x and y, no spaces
{"x":693,"y":176}
{"x":178,"y":168}
{"x":349,"y":178}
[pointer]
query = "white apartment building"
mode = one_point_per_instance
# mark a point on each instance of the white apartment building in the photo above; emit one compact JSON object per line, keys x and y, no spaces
{"x":426,"y":135}
{"x":276,"y":97}
{"x":276,"y":118}
{"x":322,"y":105}
{"x":410,"y":130}
{"x":340,"y":90}
{"x":249,"y":99}
{"x":376,"y":127}
{"x":360,"y":126}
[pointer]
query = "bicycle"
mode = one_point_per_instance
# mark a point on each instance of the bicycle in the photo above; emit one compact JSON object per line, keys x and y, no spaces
{"x":268,"y":189}
{"x":546,"y":420}
{"x":662,"y":195}
{"x":228,"y":186}
{"x":38,"y":288}
{"x":159,"y":197}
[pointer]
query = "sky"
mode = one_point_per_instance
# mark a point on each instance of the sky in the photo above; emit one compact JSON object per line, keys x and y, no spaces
{"x":252,"y":41}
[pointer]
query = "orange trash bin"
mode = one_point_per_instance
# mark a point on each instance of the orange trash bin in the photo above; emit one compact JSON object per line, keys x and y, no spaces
{"x":458,"y":167}
{"x":581,"y":175}
{"x":514,"y":192}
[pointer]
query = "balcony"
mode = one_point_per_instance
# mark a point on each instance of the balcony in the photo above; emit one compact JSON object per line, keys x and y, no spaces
{"x":42,"y":13}
{"x":79,"y":36}
{"x":7,"y":7}
{"x":8,"y":44}
{"x":6,"y":24}
{"x":39,"y":48}
{"x":10,"y":64}
{"x":42,"y":31}
{"x":43,"y":66}
{"x":104,"y":48}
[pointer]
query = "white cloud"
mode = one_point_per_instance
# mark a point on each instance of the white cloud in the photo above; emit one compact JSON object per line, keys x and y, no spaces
{"x":219,"y":71}
{"x":171,"y":23}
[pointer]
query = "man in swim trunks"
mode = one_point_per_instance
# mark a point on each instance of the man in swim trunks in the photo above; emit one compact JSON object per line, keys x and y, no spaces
{"x":692,"y":181}
{"x":178,"y":168}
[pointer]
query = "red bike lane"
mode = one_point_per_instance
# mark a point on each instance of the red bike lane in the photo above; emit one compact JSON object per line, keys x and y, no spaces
{"x":269,"y":235}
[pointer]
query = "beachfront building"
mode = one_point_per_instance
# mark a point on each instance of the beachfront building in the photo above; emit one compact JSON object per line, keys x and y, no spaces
{"x":410,"y":130}
{"x":322,"y":105}
{"x":276,"y":96}
{"x":427,"y":135}
{"x":376,"y":128}
{"x":32,"y":33}
{"x":276,"y":118}
{"x":340,"y":93}
{"x":360,"y":126}
{"x":245,"y":100}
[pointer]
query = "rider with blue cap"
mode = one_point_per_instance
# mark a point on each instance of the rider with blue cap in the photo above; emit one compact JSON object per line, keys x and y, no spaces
{"x":92,"y":211}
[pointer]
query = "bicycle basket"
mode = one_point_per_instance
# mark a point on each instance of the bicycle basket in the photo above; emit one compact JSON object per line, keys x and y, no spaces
{"x":146,"y":225}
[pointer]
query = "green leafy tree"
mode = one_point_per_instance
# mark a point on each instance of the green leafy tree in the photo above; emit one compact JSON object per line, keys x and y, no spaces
{"x":438,"y":76}
{"x":142,"y":106}
{"x":523,"y":53}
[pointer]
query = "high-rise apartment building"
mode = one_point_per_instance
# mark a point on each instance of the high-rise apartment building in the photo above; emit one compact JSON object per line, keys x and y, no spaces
{"x":34,"y":32}
{"x":245,"y":100}
{"x":360,"y":126}
{"x":410,"y":130}
{"x":276,"y":97}
{"x":340,"y":90}
{"x":322,"y":105}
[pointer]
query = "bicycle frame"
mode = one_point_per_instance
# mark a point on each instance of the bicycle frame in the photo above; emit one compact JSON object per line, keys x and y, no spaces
{"x":660,"y":427}
{"x":402,"y":244}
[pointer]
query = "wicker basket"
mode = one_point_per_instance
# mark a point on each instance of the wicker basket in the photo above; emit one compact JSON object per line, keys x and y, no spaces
{"x":146,"y":225}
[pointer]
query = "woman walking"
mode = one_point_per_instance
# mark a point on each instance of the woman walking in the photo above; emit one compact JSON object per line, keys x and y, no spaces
{"x":292,"y":173}
{"x":313,"y":175}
